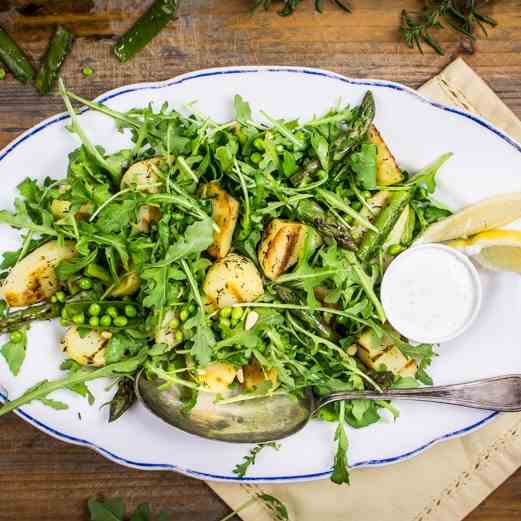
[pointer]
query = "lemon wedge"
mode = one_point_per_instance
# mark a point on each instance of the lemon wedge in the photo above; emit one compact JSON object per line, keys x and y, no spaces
{"x":488,"y":214}
{"x":498,"y":250}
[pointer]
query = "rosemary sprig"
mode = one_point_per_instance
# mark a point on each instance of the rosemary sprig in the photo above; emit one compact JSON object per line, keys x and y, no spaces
{"x":462,"y":16}
{"x":289,"y":6}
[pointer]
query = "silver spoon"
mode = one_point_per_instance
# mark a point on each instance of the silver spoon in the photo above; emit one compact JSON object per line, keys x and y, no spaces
{"x":267,"y":419}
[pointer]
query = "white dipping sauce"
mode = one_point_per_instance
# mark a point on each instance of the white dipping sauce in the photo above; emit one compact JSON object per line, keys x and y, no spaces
{"x":431,"y":293}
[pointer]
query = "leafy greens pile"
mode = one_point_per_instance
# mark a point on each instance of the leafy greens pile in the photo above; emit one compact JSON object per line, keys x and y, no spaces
{"x":322,"y":209}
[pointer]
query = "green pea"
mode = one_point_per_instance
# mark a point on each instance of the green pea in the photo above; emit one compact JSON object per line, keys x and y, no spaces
{"x":224,"y":322}
{"x":112,"y":311}
{"x":3,"y":73}
{"x":174,"y":323}
{"x":87,"y":71}
{"x":395,"y":249}
{"x":366,"y":194}
{"x":105,"y":320}
{"x":16,"y":336}
{"x":259,"y":144}
{"x":120,"y":321}
{"x":60,"y":296}
{"x":54,"y":299}
{"x":94,"y":310}
{"x":78,"y":318}
{"x":179,"y":337}
{"x":94,"y":321}
{"x":357,"y":205}
{"x":184,"y":315}
{"x":236,"y":314}
{"x":191,"y":309}
{"x":225,"y":312}
{"x":130,"y":311}
{"x":85,"y":283}
{"x":64,"y":314}
{"x":279,"y":148}
{"x":256,"y":158}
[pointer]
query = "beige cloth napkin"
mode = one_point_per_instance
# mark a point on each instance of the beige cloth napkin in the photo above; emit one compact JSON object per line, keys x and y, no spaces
{"x":449,"y":480}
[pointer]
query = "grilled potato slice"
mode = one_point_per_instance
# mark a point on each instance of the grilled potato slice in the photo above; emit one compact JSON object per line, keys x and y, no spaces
{"x":255,"y":375}
{"x":232,"y":280}
{"x":144,"y":176}
{"x":280,"y":247}
{"x":387,"y":171}
{"x":217,"y":376}
{"x":86,"y":350}
{"x":225,"y":213}
{"x":33,"y":279}
{"x":376,"y":353}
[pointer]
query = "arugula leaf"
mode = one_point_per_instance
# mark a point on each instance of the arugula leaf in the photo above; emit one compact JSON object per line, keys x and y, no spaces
{"x":363,"y":164}
{"x":321,"y":148}
{"x":108,"y":510}
{"x":242,"y":109}
{"x":114,"y":510}
{"x":196,"y":239}
{"x":54,"y":404}
{"x":20,"y":219}
{"x":427,"y":176}
{"x":278,"y":509}
{"x":45,"y":387}
{"x":241,"y":469}
{"x":116,"y":215}
{"x":14,"y":350}
{"x":203,"y":340}
{"x":423,"y":354}
{"x":361,"y":413}
{"x":68,"y":267}
{"x":340,"y":468}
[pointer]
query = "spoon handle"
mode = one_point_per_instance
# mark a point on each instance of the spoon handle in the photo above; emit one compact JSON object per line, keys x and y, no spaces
{"x":501,"y":393}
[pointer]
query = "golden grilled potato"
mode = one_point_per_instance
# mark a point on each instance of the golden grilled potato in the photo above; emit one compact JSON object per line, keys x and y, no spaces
{"x":225,"y":213}
{"x":143,"y":175}
{"x":280,"y":247}
{"x":387,"y":171}
{"x":255,"y":375}
{"x":86,"y":350}
{"x":33,"y":279}
{"x":217,"y":376}
{"x":378,"y":353}
{"x":232,"y":280}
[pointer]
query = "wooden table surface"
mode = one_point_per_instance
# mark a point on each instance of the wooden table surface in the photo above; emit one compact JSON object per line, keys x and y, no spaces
{"x":45,"y":479}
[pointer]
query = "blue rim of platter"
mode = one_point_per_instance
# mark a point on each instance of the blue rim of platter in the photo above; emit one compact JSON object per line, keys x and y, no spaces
{"x":207,"y":73}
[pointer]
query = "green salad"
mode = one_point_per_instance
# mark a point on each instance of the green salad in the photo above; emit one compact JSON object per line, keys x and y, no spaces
{"x":240,"y":258}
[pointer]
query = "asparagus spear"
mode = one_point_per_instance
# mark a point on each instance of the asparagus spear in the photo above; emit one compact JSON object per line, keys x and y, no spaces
{"x":14,"y":58}
{"x":14,"y":320}
{"x":358,"y":129}
{"x":326,"y":224}
{"x":345,"y":142}
{"x":307,"y":317}
{"x":59,"y":46}
{"x":145,"y":29}
{"x":123,"y":399}
{"x":384,"y":223}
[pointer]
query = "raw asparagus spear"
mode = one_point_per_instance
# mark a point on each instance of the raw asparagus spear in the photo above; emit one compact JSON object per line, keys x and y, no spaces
{"x":59,"y":47}
{"x":14,"y":58}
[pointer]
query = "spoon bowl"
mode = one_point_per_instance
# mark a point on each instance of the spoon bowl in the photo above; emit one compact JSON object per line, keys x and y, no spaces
{"x":248,"y":421}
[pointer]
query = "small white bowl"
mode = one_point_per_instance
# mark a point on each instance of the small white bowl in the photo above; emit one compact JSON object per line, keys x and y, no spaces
{"x":431,"y":293}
